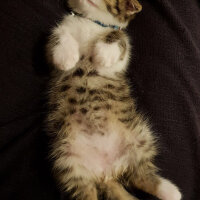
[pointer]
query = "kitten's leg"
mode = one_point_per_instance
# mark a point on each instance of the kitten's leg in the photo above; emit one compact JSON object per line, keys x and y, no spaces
{"x":63,"y":50}
{"x":146,"y":179}
{"x":115,"y":191}
{"x":71,"y":177}
{"x":79,"y":187}
{"x":88,"y":192}
{"x":110,"y":50}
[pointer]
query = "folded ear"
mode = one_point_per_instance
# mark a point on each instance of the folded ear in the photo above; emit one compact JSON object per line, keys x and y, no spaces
{"x":132,"y":7}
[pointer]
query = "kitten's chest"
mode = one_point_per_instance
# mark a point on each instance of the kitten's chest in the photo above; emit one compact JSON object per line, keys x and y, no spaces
{"x":85,"y":32}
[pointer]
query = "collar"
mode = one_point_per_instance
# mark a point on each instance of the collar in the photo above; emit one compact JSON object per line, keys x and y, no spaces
{"x":73,"y":13}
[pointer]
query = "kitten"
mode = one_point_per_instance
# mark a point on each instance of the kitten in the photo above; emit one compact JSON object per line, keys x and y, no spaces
{"x":100,"y":143}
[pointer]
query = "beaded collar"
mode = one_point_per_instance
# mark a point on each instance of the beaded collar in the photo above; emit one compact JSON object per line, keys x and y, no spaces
{"x":73,"y":13}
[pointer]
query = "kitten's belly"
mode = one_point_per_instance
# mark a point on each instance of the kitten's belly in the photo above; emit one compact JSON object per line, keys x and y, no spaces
{"x":100,"y":151}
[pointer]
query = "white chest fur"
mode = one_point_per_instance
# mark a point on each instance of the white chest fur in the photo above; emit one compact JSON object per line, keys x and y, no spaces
{"x":79,"y":37}
{"x":83,"y":31}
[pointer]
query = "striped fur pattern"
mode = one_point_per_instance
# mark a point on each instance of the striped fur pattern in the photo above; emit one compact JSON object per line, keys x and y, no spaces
{"x":123,"y":10}
{"x":100,"y":144}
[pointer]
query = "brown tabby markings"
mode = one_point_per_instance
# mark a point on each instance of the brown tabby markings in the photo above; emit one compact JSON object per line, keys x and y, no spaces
{"x":110,"y":91}
{"x":96,"y":108}
{"x":64,"y":88}
{"x":72,"y":100}
{"x":117,"y":36}
{"x":118,"y":8}
{"x":79,"y":72}
{"x":83,"y":110}
{"x":113,"y":36}
{"x":85,"y":99}
{"x":81,"y":90}
{"x":72,"y":111}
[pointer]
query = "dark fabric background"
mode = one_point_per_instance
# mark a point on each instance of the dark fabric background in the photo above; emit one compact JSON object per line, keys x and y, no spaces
{"x":165,"y":74}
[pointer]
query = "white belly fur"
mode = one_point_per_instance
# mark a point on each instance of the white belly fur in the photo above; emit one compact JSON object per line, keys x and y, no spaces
{"x":100,"y":153}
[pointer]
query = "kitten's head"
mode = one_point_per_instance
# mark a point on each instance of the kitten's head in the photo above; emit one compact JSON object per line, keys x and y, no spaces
{"x":116,"y":12}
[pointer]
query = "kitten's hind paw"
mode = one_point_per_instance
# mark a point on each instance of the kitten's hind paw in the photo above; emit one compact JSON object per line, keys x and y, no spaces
{"x":168,"y":191}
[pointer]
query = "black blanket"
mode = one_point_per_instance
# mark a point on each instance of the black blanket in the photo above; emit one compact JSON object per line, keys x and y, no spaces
{"x":164,"y":72}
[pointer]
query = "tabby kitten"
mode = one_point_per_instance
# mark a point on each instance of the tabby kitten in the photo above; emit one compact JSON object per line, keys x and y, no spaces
{"x":100,"y":143}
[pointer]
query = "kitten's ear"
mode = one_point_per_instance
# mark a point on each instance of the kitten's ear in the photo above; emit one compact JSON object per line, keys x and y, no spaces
{"x":132,"y":7}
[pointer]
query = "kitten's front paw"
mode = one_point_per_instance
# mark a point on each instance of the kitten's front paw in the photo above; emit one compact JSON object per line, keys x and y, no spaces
{"x":168,"y":191}
{"x":66,"y":55}
{"x":106,"y":55}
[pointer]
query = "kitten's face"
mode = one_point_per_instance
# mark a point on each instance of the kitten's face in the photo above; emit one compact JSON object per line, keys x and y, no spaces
{"x":120,"y":10}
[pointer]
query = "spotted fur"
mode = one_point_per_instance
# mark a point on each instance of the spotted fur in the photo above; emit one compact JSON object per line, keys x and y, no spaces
{"x":100,"y":144}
